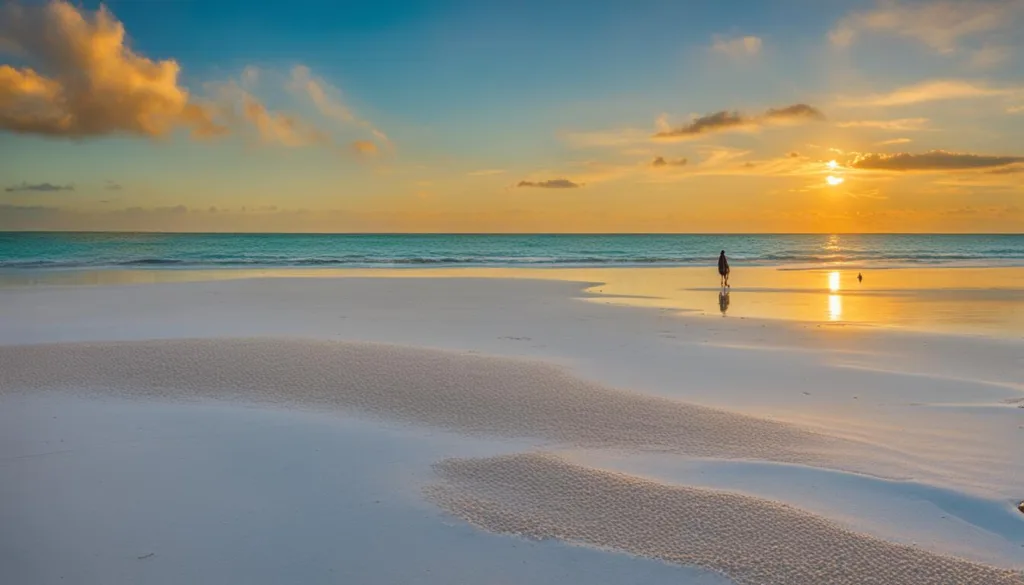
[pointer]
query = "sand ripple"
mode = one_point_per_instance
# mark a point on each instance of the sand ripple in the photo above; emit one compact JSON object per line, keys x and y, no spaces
{"x":467,"y":393}
{"x":750,"y":540}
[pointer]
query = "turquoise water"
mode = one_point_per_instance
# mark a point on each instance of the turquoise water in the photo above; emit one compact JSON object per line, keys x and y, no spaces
{"x":37,"y":250}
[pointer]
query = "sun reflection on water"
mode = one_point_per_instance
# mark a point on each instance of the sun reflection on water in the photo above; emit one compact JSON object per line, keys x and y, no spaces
{"x":835,"y":301}
{"x":835,"y":307}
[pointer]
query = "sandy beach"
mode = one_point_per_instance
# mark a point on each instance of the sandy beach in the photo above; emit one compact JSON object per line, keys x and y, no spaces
{"x":512,"y":426}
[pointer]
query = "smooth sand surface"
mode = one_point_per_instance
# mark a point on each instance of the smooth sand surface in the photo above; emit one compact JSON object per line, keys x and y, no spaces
{"x":102,"y":491}
{"x":894,"y":447}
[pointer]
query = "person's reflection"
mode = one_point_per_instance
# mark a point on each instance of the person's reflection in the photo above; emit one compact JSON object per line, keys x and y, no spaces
{"x":723,"y":302}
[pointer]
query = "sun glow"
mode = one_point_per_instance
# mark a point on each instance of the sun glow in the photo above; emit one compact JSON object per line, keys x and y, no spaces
{"x":832,"y":164}
{"x":833,"y":180}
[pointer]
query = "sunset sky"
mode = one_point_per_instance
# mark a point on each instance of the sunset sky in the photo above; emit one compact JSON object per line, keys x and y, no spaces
{"x":416,"y":116}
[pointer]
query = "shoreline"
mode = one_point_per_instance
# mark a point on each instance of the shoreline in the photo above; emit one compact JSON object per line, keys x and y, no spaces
{"x":952,"y":300}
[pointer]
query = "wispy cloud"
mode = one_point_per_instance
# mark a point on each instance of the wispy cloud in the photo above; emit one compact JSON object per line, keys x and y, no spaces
{"x":737,"y":47}
{"x":940,"y":25}
{"x":1015,"y":109}
{"x":928,"y":91}
{"x":486,"y":172}
{"x":990,"y":56}
{"x":1008,"y":170}
{"x":327,"y":99}
{"x":112,"y":186}
{"x":550,"y":184}
{"x":39,"y":187}
{"x":280,"y":128}
{"x":898,"y":125}
{"x":725,"y":121}
{"x":88,"y":81}
{"x":895,"y":141}
{"x":236,"y":101}
{"x":935,"y":160}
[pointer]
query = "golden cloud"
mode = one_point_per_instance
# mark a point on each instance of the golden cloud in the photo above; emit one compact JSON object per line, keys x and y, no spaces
{"x":89,"y":82}
{"x":898,"y":125}
{"x":278,"y":127}
{"x":928,"y":91}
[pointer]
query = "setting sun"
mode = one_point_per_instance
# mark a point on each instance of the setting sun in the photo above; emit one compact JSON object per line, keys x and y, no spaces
{"x":833,"y":180}
{"x":832,"y":164}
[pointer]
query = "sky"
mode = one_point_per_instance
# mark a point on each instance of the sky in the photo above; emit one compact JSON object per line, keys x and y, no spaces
{"x":527,"y":116}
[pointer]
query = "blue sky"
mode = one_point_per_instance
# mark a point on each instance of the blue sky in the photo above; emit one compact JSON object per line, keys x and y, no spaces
{"x":538,"y":91}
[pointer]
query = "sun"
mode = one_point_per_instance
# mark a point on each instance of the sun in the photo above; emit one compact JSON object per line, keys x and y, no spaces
{"x":833,"y":180}
{"x":832,"y":164}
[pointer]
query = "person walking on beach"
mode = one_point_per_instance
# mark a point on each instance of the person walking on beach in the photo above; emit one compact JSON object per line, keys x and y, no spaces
{"x":723,"y":269}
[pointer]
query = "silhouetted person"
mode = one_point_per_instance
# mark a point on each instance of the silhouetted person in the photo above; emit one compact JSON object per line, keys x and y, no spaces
{"x":723,"y":268}
{"x":860,"y":277}
{"x":723,"y":301}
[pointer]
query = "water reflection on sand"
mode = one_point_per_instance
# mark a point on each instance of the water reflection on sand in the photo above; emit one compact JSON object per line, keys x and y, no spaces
{"x":963,"y":300}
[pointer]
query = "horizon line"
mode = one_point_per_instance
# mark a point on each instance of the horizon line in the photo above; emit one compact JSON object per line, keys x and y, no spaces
{"x":316,"y":233}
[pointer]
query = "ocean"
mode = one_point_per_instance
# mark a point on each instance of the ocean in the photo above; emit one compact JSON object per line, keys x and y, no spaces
{"x":50,"y":250}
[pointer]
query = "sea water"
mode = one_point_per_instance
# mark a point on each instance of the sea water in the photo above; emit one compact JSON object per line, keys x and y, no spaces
{"x":42,"y":250}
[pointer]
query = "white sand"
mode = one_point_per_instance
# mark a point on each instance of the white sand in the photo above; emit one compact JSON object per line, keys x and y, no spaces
{"x":904,"y":437}
{"x":753,"y":541}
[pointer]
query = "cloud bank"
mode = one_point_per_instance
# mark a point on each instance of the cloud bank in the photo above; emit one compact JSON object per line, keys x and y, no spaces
{"x":39,"y":187}
{"x":935,"y":160}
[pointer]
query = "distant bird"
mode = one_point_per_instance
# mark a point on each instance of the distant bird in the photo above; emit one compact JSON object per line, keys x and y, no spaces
{"x":860,"y":277}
